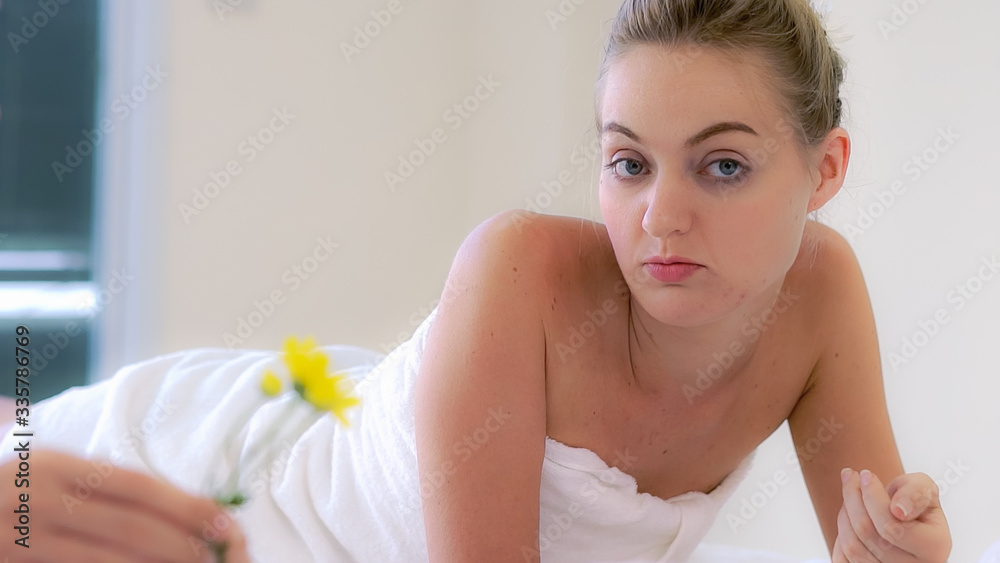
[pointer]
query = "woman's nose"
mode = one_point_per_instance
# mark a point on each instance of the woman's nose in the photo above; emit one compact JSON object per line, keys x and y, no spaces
{"x":669,"y":209}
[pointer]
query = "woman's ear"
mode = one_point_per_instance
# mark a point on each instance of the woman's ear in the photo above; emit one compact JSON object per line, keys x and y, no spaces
{"x":830,"y":160}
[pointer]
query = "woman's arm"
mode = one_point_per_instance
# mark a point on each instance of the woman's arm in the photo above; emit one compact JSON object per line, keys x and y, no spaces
{"x":480,"y":399}
{"x":841,"y":420}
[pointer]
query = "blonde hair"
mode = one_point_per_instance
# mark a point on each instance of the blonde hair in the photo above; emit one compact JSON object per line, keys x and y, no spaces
{"x":806,"y":70}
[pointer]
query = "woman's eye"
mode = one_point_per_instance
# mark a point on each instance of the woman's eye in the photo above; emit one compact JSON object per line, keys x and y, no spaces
{"x":626,"y":167}
{"x":728,"y":168}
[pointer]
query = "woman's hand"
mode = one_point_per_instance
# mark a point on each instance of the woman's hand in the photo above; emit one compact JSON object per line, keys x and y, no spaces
{"x":899,"y":523}
{"x":84,"y":510}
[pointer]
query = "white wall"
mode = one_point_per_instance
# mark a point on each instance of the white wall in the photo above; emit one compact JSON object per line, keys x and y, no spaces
{"x":323,"y":176}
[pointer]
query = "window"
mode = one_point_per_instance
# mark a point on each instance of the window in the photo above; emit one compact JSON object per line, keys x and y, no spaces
{"x":48,"y":92}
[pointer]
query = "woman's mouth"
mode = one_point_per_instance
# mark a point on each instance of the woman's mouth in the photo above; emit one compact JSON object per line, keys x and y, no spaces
{"x":673,"y":269}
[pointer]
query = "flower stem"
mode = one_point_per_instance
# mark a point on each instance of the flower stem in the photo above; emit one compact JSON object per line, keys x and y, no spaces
{"x":262,"y":450}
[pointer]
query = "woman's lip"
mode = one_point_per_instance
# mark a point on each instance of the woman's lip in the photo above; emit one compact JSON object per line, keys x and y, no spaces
{"x":672,"y":273}
{"x":670,"y":260}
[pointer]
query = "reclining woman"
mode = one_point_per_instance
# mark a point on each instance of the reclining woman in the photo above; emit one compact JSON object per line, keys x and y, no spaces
{"x":657,"y":350}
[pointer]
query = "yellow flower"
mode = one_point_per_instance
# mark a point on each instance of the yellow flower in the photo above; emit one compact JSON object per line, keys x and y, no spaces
{"x":308,"y":365}
{"x":303,"y":360}
{"x":327,"y":394}
{"x":271,"y":384}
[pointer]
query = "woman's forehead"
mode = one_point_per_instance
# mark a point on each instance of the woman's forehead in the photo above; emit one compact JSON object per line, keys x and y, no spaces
{"x":651,"y":86}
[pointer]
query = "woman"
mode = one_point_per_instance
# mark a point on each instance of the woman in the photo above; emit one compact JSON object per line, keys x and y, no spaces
{"x":656,"y":350}
{"x":718,"y":123}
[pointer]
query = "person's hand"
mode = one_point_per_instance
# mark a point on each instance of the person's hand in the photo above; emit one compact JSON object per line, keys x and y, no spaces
{"x":88,"y":510}
{"x":899,"y":523}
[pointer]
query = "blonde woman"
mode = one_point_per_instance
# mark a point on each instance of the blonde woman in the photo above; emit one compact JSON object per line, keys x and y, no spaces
{"x":725,"y":310}
{"x":585,"y":391}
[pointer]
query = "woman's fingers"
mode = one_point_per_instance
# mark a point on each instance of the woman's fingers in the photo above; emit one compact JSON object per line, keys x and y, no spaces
{"x":838,"y":552}
{"x":868,"y":528}
{"x":197,"y":520}
{"x":877,"y":503}
{"x":851,"y":547}
{"x":131,"y":511}
{"x":879,"y":539}
{"x":172,"y":504}
{"x":128,"y":529}
{"x":927,"y":533}
{"x":67,"y":546}
{"x":912,"y":494}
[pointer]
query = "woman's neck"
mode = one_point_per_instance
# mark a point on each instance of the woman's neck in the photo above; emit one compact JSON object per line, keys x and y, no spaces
{"x":697,"y":362}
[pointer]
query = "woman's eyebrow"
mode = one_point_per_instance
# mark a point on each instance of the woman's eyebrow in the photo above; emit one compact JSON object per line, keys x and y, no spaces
{"x":705,"y":134}
{"x":615,"y":127}
{"x":717,"y":129}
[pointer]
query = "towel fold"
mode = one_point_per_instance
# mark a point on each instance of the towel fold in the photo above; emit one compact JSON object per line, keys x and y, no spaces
{"x":593,"y":512}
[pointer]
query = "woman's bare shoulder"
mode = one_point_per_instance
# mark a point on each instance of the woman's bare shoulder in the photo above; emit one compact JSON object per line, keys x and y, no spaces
{"x":554,"y":249}
{"x":552,"y":228}
{"x":826,"y":270}
{"x":827,"y":282}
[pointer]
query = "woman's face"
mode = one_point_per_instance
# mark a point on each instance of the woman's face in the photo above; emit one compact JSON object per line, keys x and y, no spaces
{"x":700,"y":164}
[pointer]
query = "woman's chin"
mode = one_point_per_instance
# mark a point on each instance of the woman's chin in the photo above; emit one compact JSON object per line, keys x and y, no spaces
{"x":678,"y":307}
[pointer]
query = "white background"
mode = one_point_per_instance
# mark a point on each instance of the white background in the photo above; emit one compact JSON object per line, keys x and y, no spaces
{"x":323,"y":176}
